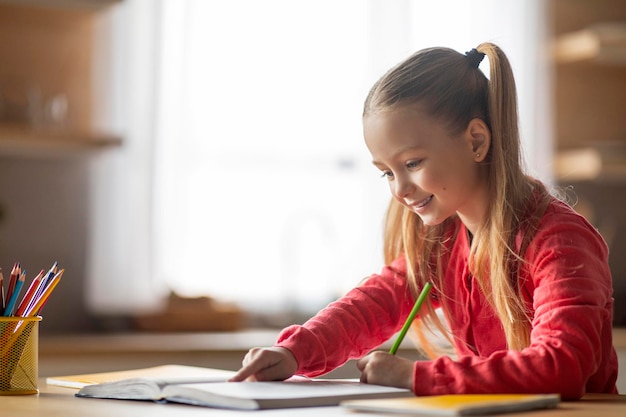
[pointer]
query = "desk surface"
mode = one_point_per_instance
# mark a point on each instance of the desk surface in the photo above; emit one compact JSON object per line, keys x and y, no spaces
{"x":61,"y":402}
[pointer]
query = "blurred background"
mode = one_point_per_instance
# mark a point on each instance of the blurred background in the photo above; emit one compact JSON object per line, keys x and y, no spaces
{"x":203,"y":160}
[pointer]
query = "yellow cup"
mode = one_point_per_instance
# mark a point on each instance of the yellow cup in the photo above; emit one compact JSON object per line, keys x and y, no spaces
{"x":19,"y":354}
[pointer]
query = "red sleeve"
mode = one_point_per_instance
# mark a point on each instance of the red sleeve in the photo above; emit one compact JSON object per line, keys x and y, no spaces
{"x":571,"y":338}
{"x":346,"y":329}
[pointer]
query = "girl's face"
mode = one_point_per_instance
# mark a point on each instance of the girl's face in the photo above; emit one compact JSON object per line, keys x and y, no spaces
{"x":430,"y":172}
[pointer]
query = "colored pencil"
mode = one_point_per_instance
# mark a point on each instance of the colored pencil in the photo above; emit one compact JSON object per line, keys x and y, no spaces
{"x":411,"y":317}
{"x":46,"y":279}
{"x":30,"y":294}
{"x":31,"y":304}
{"x":15,"y":294}
{"x":34,"y":308}
{"x":15,"y":273}
{"x":3,"y":301}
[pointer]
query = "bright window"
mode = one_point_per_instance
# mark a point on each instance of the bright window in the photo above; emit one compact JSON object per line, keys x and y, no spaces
{"x":244,"y":175}
{"x":265,"y":193}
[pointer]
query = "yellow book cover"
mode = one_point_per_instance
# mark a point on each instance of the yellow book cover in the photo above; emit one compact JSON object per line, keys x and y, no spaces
{"x":158,"y":374}
{"x":456,"y":405}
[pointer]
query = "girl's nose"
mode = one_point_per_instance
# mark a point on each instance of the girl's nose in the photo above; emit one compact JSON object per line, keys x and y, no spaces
{"x":403,"y":187}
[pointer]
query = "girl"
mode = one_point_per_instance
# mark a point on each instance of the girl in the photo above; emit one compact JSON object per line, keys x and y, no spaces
{"x":522,"y":280}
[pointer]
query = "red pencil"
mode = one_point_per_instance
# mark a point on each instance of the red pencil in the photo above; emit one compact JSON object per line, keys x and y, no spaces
{"x":15,"y":273}
{"x":3,"y":301}
{"x":38,"y":304}
{"x":30,"y":294}
{"x":8,"y":311}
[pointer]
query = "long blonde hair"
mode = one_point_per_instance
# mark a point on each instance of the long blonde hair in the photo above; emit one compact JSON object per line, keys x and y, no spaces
{"x":451,"y":89}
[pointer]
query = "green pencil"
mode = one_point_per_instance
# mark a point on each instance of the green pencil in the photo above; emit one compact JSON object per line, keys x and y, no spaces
{"x":412,"y":314}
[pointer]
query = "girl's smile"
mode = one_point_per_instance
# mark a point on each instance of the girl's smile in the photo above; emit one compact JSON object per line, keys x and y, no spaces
{"x":419,"y":206}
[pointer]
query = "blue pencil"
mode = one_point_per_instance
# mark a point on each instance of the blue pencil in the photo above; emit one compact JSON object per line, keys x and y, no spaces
{"x":46,"y":279}
{"x":14,"y":295}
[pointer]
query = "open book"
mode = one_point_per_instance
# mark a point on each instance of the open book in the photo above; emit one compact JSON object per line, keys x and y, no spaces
{"x":295,"y":392}
{"x":145,"y":382}
{"x":207,"y":387}
{"x":457,"y":405}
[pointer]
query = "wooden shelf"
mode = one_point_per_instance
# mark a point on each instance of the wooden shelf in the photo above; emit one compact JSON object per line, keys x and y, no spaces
{"x":589,"y":55}
{"x":25,"y":141}
{"x":604,"y":161}
{"x":602,"y":43}
{"x":69,"y":4}
{"x":48,"y":52}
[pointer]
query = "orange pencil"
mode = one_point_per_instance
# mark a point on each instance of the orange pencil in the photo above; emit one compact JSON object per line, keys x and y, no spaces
{"x":30,"y":294}
{"x":41,"y":300}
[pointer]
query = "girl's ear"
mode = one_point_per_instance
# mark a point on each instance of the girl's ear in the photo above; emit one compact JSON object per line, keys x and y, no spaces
{"x":478,"y":137}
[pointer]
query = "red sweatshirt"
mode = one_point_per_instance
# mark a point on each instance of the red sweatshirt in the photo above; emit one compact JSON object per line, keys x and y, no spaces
{"x":568,"y":288}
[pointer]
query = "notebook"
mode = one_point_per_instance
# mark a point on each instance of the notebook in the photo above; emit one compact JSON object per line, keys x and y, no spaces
{"x":297,"y":392}
{"x":456,"y":405}
{"x":208,"y":387}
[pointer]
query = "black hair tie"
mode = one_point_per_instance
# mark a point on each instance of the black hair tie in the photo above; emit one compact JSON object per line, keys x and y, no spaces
{"x":474,"y":58}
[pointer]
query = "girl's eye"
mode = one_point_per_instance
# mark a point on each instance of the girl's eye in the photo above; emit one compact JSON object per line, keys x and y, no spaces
{"x":387,"y":174}
{"x":413,"y":164}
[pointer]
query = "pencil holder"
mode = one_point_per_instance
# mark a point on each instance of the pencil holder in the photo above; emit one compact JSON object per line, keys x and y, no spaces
{"x":19,"y":351}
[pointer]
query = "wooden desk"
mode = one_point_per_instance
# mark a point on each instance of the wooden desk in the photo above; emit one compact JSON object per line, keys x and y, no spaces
{"x":61,"y":402}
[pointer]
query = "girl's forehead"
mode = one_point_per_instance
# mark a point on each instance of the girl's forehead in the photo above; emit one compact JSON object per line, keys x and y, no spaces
{"x":392,"y":133}
{"x":397,"y":120}
{"x":412,"y":111}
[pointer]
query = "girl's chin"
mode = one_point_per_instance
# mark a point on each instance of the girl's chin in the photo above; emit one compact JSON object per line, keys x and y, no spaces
{"x":431,"y":220}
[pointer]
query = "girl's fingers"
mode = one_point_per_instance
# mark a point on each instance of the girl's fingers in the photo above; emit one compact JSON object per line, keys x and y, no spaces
{"x":267,"y":364}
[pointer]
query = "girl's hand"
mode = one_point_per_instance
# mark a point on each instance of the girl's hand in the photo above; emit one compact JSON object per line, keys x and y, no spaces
{"x":382,"y":368}
{"x":266,"y":364}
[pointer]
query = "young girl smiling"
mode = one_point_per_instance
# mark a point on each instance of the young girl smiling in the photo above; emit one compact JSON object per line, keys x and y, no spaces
{"x":522,"y":280}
